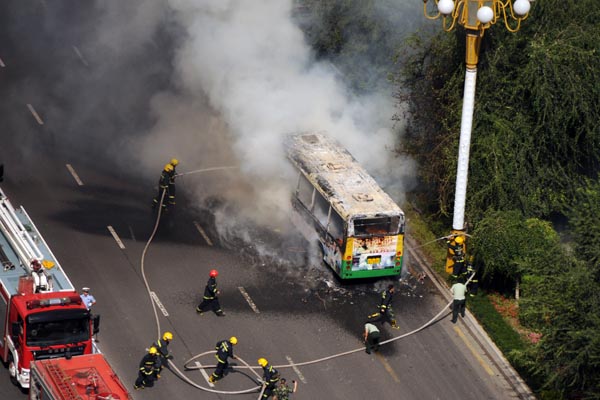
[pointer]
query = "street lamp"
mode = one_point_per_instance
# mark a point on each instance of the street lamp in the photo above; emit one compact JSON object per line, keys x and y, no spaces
{"x":475,"y":16}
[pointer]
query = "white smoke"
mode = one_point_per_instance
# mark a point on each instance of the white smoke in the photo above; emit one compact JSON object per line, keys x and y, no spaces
{"x":246,"y":78}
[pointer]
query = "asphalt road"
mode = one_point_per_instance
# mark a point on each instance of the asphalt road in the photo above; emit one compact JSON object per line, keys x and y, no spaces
{"x":296,"y":313}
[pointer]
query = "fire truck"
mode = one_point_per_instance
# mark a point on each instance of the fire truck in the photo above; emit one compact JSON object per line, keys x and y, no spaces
{"x":41,"y":314}
{"x":76,"y":378}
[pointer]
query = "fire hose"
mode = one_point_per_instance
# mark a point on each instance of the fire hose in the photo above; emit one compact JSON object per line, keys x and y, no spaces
{"x":187,"y":365}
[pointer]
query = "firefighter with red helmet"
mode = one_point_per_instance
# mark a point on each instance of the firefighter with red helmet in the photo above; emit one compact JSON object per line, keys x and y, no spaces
{"x":211,"y":293}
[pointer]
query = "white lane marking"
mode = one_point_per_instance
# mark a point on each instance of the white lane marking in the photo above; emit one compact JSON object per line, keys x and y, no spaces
{"x":204,"y":374}
{"x":159,"y":304}
{"x":80,"y":56}
{"x":248,"y":299}
{"x":2,"y":63}
{"x":131,"y":231}
{"x":35,"y":114}
{"x":296,"y":369}
{"x":204,"y":235}
{"x":116,"y":237}
{"x":75,"y":176}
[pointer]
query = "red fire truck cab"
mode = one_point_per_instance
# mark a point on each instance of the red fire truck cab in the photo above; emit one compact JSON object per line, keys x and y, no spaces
{"x":41,"y":314}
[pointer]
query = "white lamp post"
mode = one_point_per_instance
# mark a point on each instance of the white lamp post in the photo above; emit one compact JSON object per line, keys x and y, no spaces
{"x":475,"y":16}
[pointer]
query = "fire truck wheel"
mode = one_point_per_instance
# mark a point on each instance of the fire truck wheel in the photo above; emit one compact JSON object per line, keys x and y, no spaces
{"x":12,"y":370}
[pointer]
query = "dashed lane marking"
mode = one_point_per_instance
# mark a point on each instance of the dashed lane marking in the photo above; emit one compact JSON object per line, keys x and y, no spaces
{"x":388,"y":367}
{"x":248,"y":299}
{"x":485,"y":365}
{"x":204,"y":235}
{"x":116,"y":237}
{"x":75,"y":176}
{"x":204,"y":374}
{"x":296,"y":369}
{"x":35,"y":114}
{"x":131,"y":232}
{"x":159,"y":304}
{"x":2,"y":63}
{"x":80,"y":55}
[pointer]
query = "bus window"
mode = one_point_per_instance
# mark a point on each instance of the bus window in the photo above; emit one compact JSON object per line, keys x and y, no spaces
{"x":305,"y":192}
{"x":376,"y":226}
{"x":336,"y":226}
{"x":321,"y":209}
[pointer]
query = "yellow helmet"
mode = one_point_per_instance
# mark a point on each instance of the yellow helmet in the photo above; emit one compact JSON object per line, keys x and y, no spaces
{"x":168,"y":168}
{"x":459,"y":240}
{"x":167,"y":336}
{"x":152,"y":350}
{"x":174,"y":162}
{"x":263,"y":362}
{"x":233,"y":340}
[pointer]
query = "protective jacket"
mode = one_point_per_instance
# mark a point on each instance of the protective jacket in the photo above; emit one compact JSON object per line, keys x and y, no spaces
{"x":210,"y":291}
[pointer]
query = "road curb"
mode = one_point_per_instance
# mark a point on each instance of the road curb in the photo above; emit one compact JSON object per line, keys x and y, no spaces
{"x":477,"y":332}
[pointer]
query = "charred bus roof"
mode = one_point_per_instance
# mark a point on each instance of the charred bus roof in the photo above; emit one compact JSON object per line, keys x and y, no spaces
{"x":334,"y":172}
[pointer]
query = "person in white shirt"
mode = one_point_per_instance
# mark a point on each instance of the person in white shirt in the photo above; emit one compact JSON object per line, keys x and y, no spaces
{"x":87,"y":298}
{"x":458,"y":305}
{"x":371,"y":337}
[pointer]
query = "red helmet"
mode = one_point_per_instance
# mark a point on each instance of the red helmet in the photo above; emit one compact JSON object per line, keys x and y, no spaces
{"x":214,"y":273}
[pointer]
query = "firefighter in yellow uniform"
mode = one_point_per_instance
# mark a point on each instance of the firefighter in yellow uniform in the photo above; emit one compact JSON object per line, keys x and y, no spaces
{"x":162,"y":345}
{"x":174,"y":163}
{"x":163,"y":187}
{"x":224,"y":351}
{"x":149,"y":368}
{"x":270,"y":378}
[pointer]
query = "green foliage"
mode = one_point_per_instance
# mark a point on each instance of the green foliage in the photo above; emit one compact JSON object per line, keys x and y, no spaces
{"x":358,"y":37}
{"x":511,"y":248}
{"x":566,"y":310}
{"x":584,"y":219}
{"x":505,"y":337}
{"x":535,"y":123}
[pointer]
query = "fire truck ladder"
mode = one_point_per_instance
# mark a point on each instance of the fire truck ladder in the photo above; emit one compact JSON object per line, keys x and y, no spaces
{"x":63,"y":382}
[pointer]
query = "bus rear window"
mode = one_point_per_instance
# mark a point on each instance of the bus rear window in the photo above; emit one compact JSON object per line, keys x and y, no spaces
{"x":376,"y":226}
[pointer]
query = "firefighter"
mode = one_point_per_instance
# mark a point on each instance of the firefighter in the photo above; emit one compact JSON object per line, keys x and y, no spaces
{"x":162,"y":345}
{"x":270,"y":377}
{"x":224,"y":351}
{"x":211,"y":294}
{"x":174,"y":162}
{"x":455,"y":245}
{"x":163,"y":186}
{"x":386,"y":312}
{"x":148,"y":369}
{"x":474,"y":283}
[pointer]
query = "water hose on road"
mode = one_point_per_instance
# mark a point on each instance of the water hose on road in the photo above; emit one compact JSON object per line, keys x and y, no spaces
{"x":246,"y":366}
